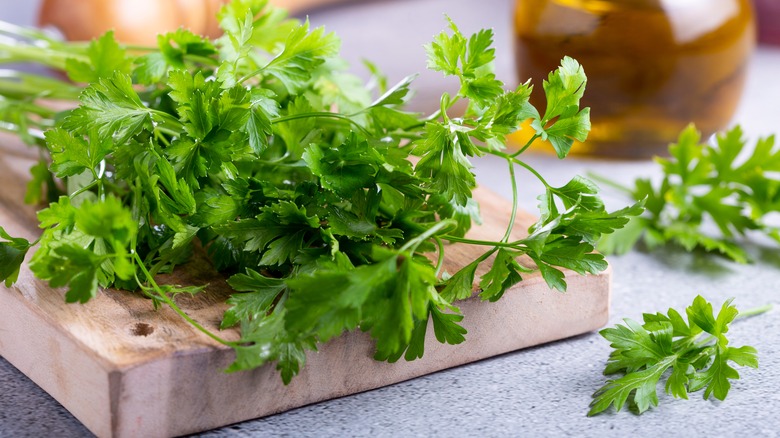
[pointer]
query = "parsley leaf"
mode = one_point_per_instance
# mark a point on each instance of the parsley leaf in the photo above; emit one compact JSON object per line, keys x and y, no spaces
{"x":643,"y":353}
{"x":41,"y":186}
{"x":445,"y":164}
{"x":469,"y":59}
{"x":461,"y":285}
{"x":563,"y":120}
{"x":12,"y":254}
{"x":505,"y":273}
{"x":113,"y":109}
{"x":710,"y":195}
{"x":265,"y":340}
{"x":261,"y":293}
{"x":176,"y":46}
{"x":304,"y":50}
{"x":85,"y":247}
{"x":106,"y":57}
{"x":73,"y":155}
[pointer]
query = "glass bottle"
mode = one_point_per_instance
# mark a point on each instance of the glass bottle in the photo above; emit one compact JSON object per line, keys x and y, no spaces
{"x":653,"y":66}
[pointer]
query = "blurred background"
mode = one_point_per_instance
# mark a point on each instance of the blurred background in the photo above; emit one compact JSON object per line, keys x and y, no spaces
{"x":390,"y":33}
{"x":653,"y":65}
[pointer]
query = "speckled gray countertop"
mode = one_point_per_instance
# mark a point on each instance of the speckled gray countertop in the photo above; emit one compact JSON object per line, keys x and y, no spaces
{"x":542,"y":391}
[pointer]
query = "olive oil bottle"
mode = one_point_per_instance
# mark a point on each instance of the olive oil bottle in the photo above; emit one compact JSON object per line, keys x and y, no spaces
{"x":653,"y":66}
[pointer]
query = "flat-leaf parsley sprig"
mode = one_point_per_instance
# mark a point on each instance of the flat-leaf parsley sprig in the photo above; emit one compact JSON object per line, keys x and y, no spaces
{"x":697,"y":352}
{"x":298,"y":182}
{"x":711,"y":194}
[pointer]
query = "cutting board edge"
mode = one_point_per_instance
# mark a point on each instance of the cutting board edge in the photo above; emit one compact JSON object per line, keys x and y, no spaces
{"x":38,"y":348}
{"x":107,"y":412}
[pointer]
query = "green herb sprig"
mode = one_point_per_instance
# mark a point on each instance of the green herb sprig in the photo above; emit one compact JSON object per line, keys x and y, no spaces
{"x":324,"y":202}
{"x":711,"y":194}
{"x":697,"y":352}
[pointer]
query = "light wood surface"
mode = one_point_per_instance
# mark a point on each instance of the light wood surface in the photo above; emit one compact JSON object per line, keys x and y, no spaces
{"x":125,"y":370}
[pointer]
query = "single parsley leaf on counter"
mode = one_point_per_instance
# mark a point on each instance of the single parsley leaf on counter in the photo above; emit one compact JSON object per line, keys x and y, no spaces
{"x":711,"y":194}
{"x":697,"y":352}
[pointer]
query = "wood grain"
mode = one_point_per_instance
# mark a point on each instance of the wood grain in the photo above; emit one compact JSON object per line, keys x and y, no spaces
{"x":124,"y":369}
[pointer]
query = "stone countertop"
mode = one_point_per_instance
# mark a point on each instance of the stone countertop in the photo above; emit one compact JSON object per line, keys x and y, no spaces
{"x":541,"y":391}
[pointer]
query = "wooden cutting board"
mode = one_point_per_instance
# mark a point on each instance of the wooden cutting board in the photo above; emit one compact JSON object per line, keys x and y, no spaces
{"x":126,"y":370}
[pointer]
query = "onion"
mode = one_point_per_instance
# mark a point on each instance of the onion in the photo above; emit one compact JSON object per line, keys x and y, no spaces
{"x":139,"y":21}
{"x":134,"y":21}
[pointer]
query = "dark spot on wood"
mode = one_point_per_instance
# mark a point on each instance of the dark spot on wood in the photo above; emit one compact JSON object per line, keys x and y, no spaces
{"x":142,"y":329}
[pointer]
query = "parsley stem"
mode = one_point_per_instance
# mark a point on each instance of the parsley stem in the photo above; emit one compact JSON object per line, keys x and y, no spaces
{"x":518,"y":162}
{"x":406,"y":135}
{"x":254,"y":73}
{"x":515,"y":200}
{"x":41,"y":55}
{"x":527,"y":145}
{"x":18,"y":130}
{"x":754,"y":311}
{"x":158,"y":134}
{"x":321,"y":114}
{"x":435,"y":115}
{"x":98,"y":175}
{"x":704,"y":342}
{"x":165,"y":298}
{"x":430,"y":232}
{"x":168,"y":119}
{"x":205,"y":60}
{"x":26,"y":107}
{"x":137,"y":48}
{"x":608,"y":182}
{"x":534,"y":172}
{"x":445,"y":103}
{"x":84,"y":189}
{"x":29,"y":33}
{"x":455,"y":239}
{"x":168,"y":131}
{"x":440,"y":258}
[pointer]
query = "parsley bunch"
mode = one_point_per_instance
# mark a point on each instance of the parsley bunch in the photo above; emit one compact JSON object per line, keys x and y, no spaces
{"x":697,"y":352}
{"x":329,"y":207}
{"x":717,"y":184}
